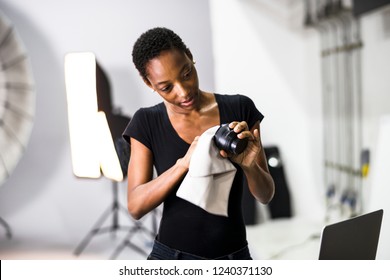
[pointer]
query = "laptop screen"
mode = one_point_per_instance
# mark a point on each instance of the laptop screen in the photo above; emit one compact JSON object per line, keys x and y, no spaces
{"x":353,"y":239}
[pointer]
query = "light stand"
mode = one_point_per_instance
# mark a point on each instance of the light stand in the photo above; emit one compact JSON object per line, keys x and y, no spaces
{"x":90,"y":115}
{"x":98,"y":228}
{"x":7,"y":228}
{"x":127,"y":240}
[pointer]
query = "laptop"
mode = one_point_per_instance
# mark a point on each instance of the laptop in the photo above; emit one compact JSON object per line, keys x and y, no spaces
{"x":353,"y":239}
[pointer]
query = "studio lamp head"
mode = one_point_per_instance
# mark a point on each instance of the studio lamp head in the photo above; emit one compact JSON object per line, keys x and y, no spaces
{"x":92,"y":148}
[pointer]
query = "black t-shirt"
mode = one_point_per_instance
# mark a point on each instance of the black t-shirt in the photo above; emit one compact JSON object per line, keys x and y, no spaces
{"x":185,"y":226}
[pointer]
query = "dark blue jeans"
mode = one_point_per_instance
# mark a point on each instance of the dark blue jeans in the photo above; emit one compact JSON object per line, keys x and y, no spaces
{"x":163,"y":252}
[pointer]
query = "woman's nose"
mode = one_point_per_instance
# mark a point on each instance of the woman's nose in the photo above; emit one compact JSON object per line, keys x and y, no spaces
{"x":181,"y":91}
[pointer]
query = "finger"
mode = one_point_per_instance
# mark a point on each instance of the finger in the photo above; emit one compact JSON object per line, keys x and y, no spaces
{"x":241,"y":126}
{"x":195,"y":141}
{"x":223,"y":153}
{"x":245,"y":134}
{"x":256,"y":134}
{"x":232,"y":125}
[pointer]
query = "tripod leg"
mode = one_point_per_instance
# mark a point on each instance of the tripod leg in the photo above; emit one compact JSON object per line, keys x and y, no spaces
{"x":95,"y":229}
{"x":114,"y":209}
{"x":137,"y":224}
{"x":127,"y":242}
{"x":7,"y":228}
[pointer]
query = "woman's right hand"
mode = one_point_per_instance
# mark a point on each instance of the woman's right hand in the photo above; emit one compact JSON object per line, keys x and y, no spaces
{"x":144,"y":193}
{"x":185,"y":161}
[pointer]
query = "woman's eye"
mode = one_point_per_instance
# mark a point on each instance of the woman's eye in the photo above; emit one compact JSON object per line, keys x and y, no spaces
{"x":165,"y":89}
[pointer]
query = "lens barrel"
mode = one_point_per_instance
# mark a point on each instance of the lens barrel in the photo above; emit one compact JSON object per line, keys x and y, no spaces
{"x":226,"y":139}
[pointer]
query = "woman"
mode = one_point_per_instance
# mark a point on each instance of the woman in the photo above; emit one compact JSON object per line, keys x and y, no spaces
{"x":165,"y":136}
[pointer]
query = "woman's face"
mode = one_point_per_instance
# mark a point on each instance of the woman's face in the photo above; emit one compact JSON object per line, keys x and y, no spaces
{"x":173,"y":75}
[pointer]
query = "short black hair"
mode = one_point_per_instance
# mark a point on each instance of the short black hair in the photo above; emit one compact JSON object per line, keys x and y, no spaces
{"x":151,"y":43}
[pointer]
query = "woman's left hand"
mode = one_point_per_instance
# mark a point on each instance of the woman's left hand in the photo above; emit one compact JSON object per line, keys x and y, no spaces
{"x":249,"y":156}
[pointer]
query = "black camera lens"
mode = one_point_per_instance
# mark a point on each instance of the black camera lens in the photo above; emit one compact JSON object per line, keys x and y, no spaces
{"x":226,"y":139}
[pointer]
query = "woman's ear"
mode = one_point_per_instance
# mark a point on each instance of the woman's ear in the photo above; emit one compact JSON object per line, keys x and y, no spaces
{"x":189,"y":54}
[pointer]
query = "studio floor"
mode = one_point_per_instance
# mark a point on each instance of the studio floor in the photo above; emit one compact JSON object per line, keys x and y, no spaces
{"x":101,"y":247}
{"x":266,"y":241}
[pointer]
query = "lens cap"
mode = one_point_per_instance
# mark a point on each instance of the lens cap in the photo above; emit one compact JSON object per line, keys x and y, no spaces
{"x":239,"y":145}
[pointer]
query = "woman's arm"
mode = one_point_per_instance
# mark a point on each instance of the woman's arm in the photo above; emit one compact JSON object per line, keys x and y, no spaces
{"x":253,"y":162}
{"x":143,"y":192}
{"x":259,"y":179}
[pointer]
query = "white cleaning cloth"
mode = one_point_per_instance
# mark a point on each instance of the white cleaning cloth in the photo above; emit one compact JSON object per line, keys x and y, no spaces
{"x":209,"y":178}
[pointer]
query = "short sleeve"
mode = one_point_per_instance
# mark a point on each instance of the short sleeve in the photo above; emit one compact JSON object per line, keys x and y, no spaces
{"x":249,"y":111}
{"x":238,"y":107}
{"x":138,"y":128}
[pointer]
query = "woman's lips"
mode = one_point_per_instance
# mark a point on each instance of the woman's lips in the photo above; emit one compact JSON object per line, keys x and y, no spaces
{"x":188,"y":102}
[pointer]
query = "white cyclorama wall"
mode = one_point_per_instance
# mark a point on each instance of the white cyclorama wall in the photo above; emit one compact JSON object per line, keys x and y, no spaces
{"x":258,"y":53}
{"x":260,"y":50}
{"x":376,"y":109}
